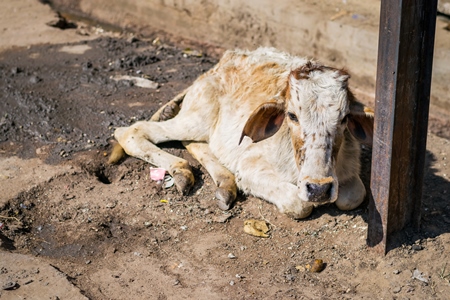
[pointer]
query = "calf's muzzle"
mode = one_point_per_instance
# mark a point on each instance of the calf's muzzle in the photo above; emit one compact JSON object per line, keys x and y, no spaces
{"x":319,"y":192}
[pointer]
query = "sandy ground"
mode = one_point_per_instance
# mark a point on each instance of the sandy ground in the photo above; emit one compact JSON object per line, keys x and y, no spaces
{"x":73,"y":227}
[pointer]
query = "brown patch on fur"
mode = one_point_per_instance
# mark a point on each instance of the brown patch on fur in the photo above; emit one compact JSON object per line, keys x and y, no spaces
{"x":264,"y":68}
{"x":342,"y":72}
{"x":320,"y":181}
{"x":304,"y":71}
{"x":298,"y":144}
{"x":286,"y":92}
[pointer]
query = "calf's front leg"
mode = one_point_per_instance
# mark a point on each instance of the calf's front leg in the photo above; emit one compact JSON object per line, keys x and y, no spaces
{"x":223,"y":178}
{"x":263,"y":182}
{"x":138,"y":141}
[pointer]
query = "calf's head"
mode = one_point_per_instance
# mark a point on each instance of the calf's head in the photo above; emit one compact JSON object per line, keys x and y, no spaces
{"x":318,"y":109}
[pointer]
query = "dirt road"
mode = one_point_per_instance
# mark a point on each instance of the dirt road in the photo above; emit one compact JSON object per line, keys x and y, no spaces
{"x":73,"y":227}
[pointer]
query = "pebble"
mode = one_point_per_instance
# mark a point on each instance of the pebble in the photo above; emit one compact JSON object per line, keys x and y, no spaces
{"x":111,"y":205}
{"x":231,"y":256}
{"x":35,"y":79}
{"x":420,"y":276}
{"x":11,"y":285}
{"x":397,"y":290}
{"x":417,"y":247}
{"x":396,"y":272}
{"x":15,"y":70}
{"x":232,"y":282}
{"x":86,"y":66}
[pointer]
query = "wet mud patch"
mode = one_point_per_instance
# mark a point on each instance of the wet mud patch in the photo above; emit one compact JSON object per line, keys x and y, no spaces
{"x":62,"y":96}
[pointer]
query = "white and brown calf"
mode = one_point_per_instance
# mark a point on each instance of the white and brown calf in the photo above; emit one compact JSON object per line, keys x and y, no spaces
{"x":279,"y":127}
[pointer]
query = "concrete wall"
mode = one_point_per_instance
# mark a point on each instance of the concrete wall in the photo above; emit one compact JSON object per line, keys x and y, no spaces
{"x":339,"y":33}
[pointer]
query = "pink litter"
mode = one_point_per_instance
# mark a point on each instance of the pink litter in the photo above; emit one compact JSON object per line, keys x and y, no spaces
{"x":157,"y":174}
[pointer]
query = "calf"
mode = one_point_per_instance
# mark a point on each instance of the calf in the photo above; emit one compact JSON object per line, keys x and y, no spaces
{"x":279,"y":127}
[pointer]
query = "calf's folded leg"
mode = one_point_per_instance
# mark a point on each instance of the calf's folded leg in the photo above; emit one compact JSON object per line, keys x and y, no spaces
{"x":170,"y":109}
{"x":261,"y":181}
{"x":223,"y":178}
{"x":351,"y":194}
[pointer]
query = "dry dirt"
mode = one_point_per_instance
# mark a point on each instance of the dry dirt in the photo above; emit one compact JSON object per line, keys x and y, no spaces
{"x":115,"y":234}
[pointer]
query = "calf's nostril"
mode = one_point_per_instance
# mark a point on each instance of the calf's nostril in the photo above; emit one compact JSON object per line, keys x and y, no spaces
{"x":319,"y":192}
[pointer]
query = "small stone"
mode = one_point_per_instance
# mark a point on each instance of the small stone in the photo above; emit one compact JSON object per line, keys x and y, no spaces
{"x":397,"y":290}
{"x":35,"y":79}
{"x":88,"y":262}
{"x":290,"y":277}
{"x":316,"y":266}
{"x":111,"y":205}
{"x":417,"y":247}
{"x":396,"y":272}
{"x":231,"y":256}
{"x":11,"y":285}
{"x":420,"y":276}
{"x":221,"y":218}
{"x":68,"y":196}
{"x":15,"y":70}
{"x":86,"y":66}
{"x":410,"y":289}
{"x":232,"y":282}
{"x":184,"y":227}
{"x":300,"y":268}
{"x":132,"y":39}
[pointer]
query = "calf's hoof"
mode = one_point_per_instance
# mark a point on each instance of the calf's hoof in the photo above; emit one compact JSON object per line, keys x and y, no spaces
{"x":184,"y":180}
{"x":225,"y":198}
{"x":300,"y":213}
{"x":169,"y":111}
{"x":351,"y":194}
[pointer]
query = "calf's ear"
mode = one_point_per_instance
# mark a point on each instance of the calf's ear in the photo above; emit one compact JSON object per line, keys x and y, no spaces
{"x":264,"y":122}
{"x":360,"y":122}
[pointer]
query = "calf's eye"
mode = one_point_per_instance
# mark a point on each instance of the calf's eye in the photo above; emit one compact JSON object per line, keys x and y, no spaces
{"x":293,"y":117}
{"x":344,"y":120}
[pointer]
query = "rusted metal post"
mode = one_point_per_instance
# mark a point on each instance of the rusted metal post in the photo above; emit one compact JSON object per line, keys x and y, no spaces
{"x":405,"y":57}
